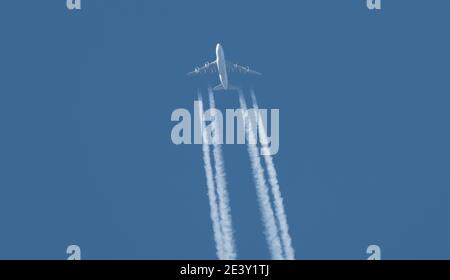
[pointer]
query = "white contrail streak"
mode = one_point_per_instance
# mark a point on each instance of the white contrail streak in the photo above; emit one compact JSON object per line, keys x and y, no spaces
{"x":218,"y":238}
{"x":224,"y":203}
{"x":275,"y":186}
{"x":262,"y":191}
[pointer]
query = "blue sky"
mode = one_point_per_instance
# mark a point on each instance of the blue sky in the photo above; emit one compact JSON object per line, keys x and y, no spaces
{"x":86,"y":156}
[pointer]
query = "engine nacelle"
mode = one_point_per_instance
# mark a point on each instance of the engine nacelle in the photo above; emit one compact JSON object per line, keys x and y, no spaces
{"x":206,"y":64}
{"x":197,"y":70}
{"x":247,"y":69}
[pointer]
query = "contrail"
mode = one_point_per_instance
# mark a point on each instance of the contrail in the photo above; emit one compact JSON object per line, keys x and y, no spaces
{"x":218,"y":238}
{"x":275,"y":186}
{"x":224,"y":204}
{"x":262,"y":191}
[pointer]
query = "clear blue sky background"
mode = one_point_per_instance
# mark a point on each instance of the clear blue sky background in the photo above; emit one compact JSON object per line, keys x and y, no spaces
{"x":86,"y":97}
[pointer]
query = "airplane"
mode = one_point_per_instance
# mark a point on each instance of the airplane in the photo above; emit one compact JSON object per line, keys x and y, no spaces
{"x":222,"y":66}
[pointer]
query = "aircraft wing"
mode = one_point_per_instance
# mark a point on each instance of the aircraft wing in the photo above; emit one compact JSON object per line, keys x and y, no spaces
{"x":234,"y":67}
{"x":208,"y":67}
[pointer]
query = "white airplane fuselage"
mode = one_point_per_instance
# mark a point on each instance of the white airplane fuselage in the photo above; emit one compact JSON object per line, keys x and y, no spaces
{"x":221,"y":66}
